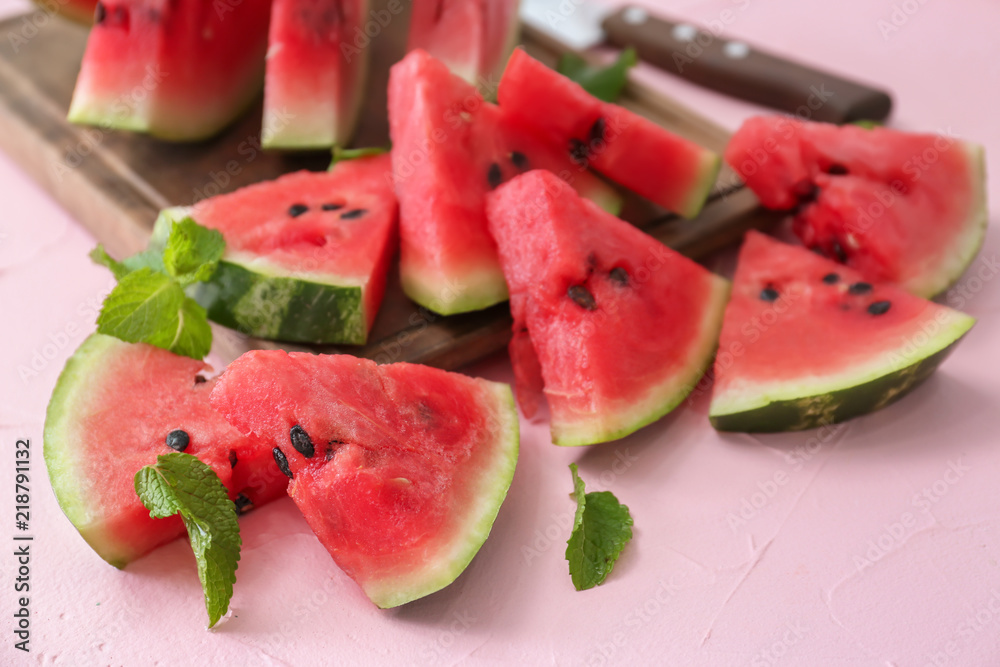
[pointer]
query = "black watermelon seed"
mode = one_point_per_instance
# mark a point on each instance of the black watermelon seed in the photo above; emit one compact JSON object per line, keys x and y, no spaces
{"x":331,"y":447}
{"x":279,"y":458}
{"x":838,"y":252}
{"x":494,"y":176}
{"x":836,"y":170}
{"x":879,"y":307}
{"x":619,"y":275}
{"x":582,"y":297}
{"x":831,"y":279}
{"x":805,"y":192}
{"x":301,"y":441}
{"x":200,"y":379}
{"x":769,"y":294}
{"x":597,"y":131}
{"x":332,"y":207}
{"x":520,"y":160}
{"x":178,"y":440}
{"x":99,"y":13}
{"x":353,"y":213}
{"x":860,"y":288}
{"x":233,"y":459}
{"x":295,"y":210}
{"x":243,"y":503}
{"x":578,"y":151}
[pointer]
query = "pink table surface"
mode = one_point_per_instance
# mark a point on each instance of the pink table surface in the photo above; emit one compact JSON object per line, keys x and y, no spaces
{"x":873,"y":543}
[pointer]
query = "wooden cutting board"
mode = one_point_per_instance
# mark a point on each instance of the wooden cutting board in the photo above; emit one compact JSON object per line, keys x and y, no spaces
{"x":114,"y":182}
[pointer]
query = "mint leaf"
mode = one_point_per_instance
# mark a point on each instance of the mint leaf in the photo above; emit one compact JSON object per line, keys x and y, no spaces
{"x":150,"y":307}
{"x":100,"y":256}
{"x":192,"y":252}
{"x":342,"y":154}
{"x":605,"y":83}
{"x":601,"y":529}
{"x":146,"y":258}
{"x":181,"y":484}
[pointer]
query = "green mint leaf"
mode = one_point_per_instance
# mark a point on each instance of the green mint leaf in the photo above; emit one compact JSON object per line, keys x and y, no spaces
{"x":100,"y":256}
{"x":605,"y":83}
{"x":147,"y":259}
{"x":601,"y":529}
{"x":151,"y":307}
{"x":867,"y":124}
{"x":192,"y":252}
{"x":181,"y":484}
{"x":343,"y":154}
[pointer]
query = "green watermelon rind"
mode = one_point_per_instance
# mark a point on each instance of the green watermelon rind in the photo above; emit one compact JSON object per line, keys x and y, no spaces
{"x":793,"y":406}
{"x":662,"y":399}
{"x":473,"y":290}
{"x":698,"y":196}
{"x":493,"y":486}
{"x":262,"y":300}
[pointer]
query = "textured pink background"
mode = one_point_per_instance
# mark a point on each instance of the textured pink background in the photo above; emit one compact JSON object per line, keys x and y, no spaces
{"x":874,"y":544}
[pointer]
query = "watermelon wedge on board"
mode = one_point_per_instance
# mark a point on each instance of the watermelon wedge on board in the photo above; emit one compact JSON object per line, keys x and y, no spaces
{"x":899,"y":207}
{"x":616,"y":327}
{"x":114,"y":410}
{"x":627,"y":148}
{"x":179,"y":70}
{"x":306,"y":255}
{"x":474,"y":38}
{"x":450,"y":148}
{"x":807,"y":342}
{"x":399,"y":469}
{"x":315,"y":76}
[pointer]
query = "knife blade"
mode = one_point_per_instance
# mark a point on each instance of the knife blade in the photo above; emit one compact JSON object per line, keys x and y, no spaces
{"x":728,"y":66}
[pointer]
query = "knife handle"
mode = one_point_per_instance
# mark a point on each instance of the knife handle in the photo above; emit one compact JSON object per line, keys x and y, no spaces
{"x":740,"y":70}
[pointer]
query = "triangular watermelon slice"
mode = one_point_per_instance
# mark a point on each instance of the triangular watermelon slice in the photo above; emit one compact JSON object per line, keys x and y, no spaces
{"x":807,"y":342}
{"x":399,"y":469}
{"x":899,"y":207}
{"x":618,"y":327}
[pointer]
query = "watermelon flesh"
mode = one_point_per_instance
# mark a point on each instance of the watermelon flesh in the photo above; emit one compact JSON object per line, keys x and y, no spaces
{"x":450,"y":148}
{"x":110,"y":414}
{"x":306,"y":255}
{"x":627,"y":148}
{"x":615,"y":326}
{"x":899,"y":207}
{"x":473,"y":38}
{"x":807,"y":342}
{"x":177,"y":69}
{"x":400,"y":469}
{"x":315,"y":74}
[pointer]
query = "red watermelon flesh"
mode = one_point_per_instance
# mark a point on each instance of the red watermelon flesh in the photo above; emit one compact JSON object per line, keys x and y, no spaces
{"x":450,"y":148}
{"x":808,"y":342}
{"x":400,"y":469}
{"x":177,"y":69}
{"x":627,"y":148}
{"x":315,"y":73}
{"x":616,"y":326}
{"x":110,"y":414}
{"x":899,"y":207}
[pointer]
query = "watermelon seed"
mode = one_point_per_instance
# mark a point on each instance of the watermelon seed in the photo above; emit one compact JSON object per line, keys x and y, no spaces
{"x":860,"y":288}
{"x":879,"y":307}
{"x":331,"y":447}
{"x":769,"y":294}
{"x":520,"y":160}
{"x":578,"y":152}
{"x":279,"y":458}
{"x":836,"y":170}
{"x":200,"y":379}
{"x":838,"y":252}
{"x":295,"y":210}
{"x":332,"y":207}
{"x":597,"y":131}
{"x":619,"y":275}
{"x":494,"y":176}
{"x":243,"y":503}
{"x":233,"y":459}
{"x":353,"y":213}
{"x":805,"y":191}
{"x":178,"y":440}
{"x":582,"y":297}
{"x":301,"y":441}
{"x":99,"y":13}
{"x":831,"y":279}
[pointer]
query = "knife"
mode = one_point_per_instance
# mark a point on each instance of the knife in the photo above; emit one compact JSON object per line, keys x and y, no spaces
{"x":722,"y":64}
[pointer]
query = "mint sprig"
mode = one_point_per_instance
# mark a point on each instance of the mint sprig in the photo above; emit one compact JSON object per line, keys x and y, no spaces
{"x":601,"y":529}
{"x":181,"y":484}
{"x":605,"y":83}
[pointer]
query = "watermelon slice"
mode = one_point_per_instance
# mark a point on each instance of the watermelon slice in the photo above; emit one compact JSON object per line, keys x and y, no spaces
{"x":315,"y":74}
{"x":627,"y":148}
{"x":450,"y":148}
{"x":306,"y":254}
{"x":616,"y":326}
{"x":474,"y":38}
{"x":899,"y":207}
{"x":115,"y":408}
{"x":400,"y":469}
{"x":807,"y":342}
{"x":179,"y":70}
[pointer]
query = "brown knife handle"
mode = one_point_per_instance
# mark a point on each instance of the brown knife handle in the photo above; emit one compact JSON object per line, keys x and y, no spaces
{"x":735,"y":68}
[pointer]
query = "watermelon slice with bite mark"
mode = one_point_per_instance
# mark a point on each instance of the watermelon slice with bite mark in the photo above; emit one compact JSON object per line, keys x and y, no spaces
{"x":807,"y":342}
{"x":306,"y":255}
{"x":179,"y":70}
{"x":399,"y":469}
{"x":623,"y":146}
{"x":616,"y":327}
{"x":315,"y":75}
{"x":450,"y":148}
{"x":116,"y":407}
{"x":899,"y":207}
